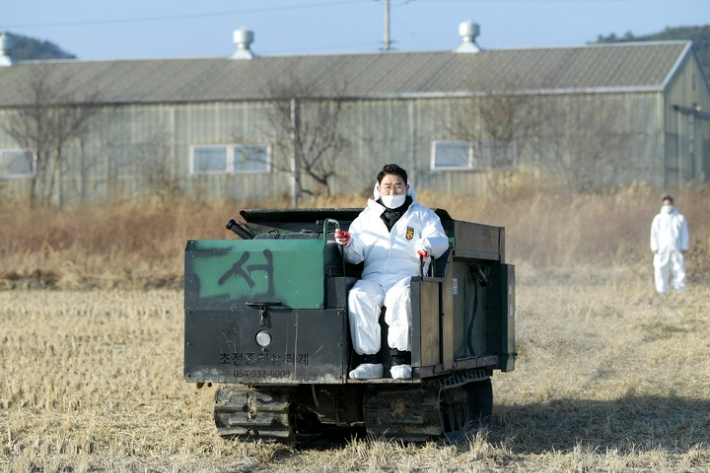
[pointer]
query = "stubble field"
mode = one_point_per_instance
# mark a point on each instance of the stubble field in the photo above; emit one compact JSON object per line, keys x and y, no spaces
{"x":610,"y":376}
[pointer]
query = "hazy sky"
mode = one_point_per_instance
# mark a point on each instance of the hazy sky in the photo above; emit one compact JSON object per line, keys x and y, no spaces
{"x":127,"y":29}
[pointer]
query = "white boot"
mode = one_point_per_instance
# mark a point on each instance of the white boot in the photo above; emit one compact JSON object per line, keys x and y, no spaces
{"x":367,"y":371}
{"x":401,"y":372}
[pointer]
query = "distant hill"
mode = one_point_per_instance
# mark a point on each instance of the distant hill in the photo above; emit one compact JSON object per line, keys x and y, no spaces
{"x":30,"y":48}
{"x":699,"y":35}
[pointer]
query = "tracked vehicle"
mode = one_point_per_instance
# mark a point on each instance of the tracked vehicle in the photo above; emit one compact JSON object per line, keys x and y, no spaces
{"x":266,"y":319}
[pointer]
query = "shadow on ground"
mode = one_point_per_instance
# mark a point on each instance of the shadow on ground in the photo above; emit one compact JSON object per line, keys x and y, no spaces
{"x":635,"y":423}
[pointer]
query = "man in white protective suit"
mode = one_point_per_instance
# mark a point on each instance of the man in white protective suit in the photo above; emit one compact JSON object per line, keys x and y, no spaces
{"x":669,"y":240}
{"x":389,"y":236}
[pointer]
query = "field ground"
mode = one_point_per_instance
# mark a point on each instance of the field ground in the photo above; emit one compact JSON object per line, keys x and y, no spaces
{"x":610,"y":377}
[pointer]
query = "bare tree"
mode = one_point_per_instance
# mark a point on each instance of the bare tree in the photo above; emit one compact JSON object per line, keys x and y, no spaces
{"x":494,"y":124}
{"x":579,"y":141}
{"x":155,"y":166}
{"x":506,"y":123}
{"x":51,"y":118}
{"x":306,"y":122}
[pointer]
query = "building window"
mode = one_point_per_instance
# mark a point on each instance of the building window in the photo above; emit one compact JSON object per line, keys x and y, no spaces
{"x":449,"y":155}
{"x":455,"y":155}
{"x":17,"y":163}
{"x":229,"y":159}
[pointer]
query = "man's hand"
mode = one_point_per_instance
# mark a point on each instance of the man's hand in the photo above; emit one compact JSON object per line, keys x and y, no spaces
{"x":422,"y":247}
{"x":342,"y":238}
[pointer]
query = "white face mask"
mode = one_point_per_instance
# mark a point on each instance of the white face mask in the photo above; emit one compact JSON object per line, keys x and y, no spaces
{"x":667,"y":209}
{"x":393,"y":201}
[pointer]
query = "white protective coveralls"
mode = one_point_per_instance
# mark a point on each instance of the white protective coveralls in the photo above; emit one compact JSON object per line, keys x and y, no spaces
{"x":390,"y":260}
{"x":669,"y":238}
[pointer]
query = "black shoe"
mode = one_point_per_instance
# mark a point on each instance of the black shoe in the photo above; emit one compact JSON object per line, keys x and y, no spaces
{"x":400,"y":357}
{"x":368,"y":359}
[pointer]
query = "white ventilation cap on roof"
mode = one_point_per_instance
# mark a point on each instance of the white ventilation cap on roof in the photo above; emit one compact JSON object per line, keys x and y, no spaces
{"x":6,"y":45}
{"x":243,"y":39}
{"x":468,"y":32}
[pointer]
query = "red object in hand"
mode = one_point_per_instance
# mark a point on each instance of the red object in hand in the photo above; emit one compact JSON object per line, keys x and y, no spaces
{"x":342,"y":238}
{"x":422,"y":247}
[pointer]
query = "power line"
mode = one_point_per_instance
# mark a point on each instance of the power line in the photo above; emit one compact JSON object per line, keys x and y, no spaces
{"x":302,"y":6}
{"x":529,"y":2}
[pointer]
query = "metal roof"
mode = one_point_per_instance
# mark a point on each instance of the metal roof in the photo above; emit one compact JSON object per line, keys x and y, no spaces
{"x":602,"y":68}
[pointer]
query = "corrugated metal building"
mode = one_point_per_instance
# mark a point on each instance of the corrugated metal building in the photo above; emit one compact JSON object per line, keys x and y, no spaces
{"x":585,"y":116}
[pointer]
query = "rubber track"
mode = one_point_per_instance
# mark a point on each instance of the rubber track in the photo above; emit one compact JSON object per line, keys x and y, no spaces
{"x":248,"y":414}
{"x":436,"y":409}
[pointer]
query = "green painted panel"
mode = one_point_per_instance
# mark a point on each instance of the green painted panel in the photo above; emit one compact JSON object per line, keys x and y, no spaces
{"x":233,"y":272}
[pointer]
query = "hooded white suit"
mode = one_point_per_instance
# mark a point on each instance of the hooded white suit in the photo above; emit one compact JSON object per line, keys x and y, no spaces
{"x":390,"y":260}
{"x":669,"y":238}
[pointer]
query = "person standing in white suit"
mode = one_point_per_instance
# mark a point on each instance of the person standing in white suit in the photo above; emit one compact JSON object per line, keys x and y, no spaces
{"x":669,"y":241}
{"x":389,"y":236}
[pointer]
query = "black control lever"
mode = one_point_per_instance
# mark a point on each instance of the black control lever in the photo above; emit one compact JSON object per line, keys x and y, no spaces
{"x":239,"y":229}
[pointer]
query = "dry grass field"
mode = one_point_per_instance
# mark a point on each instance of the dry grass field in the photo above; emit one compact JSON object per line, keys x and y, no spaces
{"x":610,"y":376}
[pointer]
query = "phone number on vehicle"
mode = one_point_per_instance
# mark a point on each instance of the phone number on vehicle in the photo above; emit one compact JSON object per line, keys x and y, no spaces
{"x":262,"y":373}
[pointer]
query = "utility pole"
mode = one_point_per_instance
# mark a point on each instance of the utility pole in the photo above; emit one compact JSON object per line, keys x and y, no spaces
{"x":294,"y":157}
{"x":386,"y":46}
